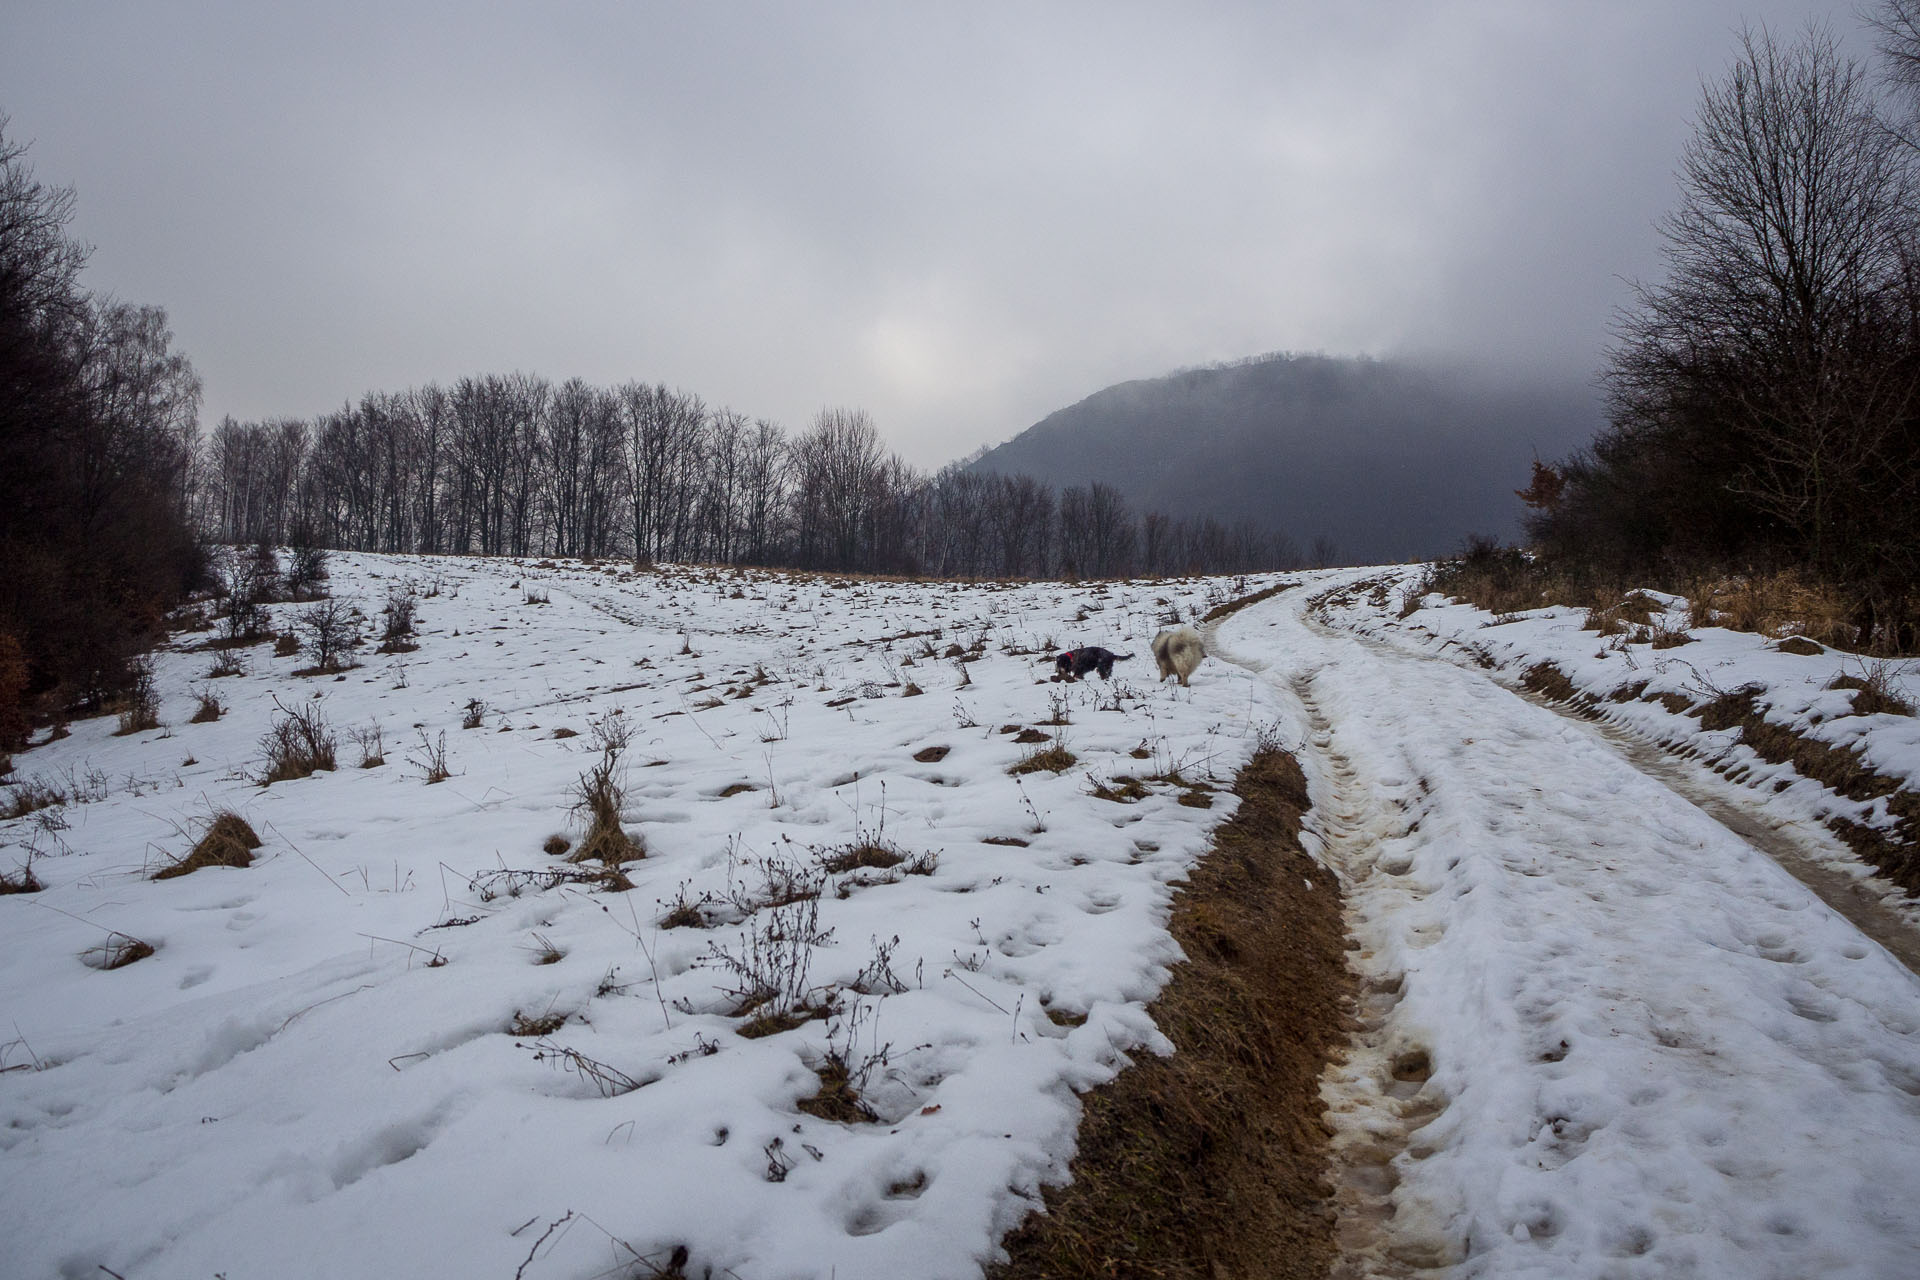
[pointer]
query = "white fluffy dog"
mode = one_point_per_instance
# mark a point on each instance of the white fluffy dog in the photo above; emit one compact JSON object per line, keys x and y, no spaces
{"x":1178,"y":650}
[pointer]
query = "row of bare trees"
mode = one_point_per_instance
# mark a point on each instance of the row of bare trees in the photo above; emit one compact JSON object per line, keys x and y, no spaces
{"x":518,"y":466}
{"x":1765,"y":393}
{"x":98,"y":415}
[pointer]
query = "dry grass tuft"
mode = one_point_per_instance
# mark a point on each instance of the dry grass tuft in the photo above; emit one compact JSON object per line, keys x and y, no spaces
{"x":1123,"y":790}
{"x":228,"y":842}
{"x":837,"y":1099}
{"x":1874,"y":691}
{"x":874,"y":854}
{"x":34,"y":795}
{"x":117,"y":952}
{"x":599,"y":795}
{"x":1780,"y":604}
{"x":774,"y":1021}
{"x":21,"y":881}
{"x":1053,"y":759}
{"x":532,"y":1028}
{"x":1209,"y":1162}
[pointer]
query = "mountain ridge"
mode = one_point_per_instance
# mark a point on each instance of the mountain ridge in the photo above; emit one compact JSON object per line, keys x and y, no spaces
{"x":1390,"y":459}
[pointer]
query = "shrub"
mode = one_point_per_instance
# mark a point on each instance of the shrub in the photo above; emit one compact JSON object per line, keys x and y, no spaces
{"x":372,"y":743}
{"x":34,"y":795}
{"x":598,"y":795}
{"x":306,"y":563}
{"x":207,"y":707}
{"x":248,"y":584}
{"x":431,"y":758}
{"x":140,"y":704}
{"x":300,"y":744}
{"x":21,"y":881}
{"x":330,"y":631}
{"x":397,"y":619}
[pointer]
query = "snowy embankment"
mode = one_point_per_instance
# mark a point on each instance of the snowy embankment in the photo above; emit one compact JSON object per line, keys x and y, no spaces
{"x":407,"y":1041}
{"x":1606,"y":1037}
{"x":1656,"y":695}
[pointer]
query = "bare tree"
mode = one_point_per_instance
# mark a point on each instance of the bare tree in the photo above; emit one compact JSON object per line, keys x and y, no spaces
{"x":1112,"y":536}
{"x":98,"y":423}
{"x":1762,"y":392}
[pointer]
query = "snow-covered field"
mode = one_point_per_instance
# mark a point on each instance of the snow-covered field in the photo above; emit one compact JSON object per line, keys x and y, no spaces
{"x":1629,"y":1044}
{"x":316,"y":1073}
{"x":1603,"y":1036}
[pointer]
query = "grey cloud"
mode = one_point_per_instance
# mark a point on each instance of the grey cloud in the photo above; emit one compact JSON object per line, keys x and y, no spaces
{"x":960,"y":218}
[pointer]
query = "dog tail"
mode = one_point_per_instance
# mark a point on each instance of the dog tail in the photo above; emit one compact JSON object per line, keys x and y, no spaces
{"x":1121,"y":657}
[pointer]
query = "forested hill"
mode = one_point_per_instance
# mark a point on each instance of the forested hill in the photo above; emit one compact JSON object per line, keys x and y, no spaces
{"x":1389,"y":460}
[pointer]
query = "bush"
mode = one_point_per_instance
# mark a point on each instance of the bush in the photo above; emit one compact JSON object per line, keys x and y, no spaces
{"x":397,"y":618}
{"x":306,"y":563}
{"x":330,"y":631}
{"x":248,"y":586}
{"x":599,"y":795}
{"x":140,"y":704}
{"x":300,"y":744}
{"x":431,"y":758}
{"x":208,"y":707}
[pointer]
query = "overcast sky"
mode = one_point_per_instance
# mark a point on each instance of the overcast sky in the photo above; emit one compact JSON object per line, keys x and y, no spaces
{"x":959,"y":217}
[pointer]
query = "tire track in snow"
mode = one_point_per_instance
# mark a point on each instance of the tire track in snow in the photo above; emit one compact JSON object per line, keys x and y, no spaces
{"x":1378,"y":1092}
{"x":1811,"y":856}
{"x":1650,"y":1051}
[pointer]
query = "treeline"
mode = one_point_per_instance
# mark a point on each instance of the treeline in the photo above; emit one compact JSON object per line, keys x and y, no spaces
{"x":97,"y":421}
{"x":1764,"y":396}
{"x":516,"y":465}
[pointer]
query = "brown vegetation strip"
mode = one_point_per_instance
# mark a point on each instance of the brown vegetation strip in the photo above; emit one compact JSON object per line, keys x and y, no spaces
{"x":1231,"y":607}
{"x":1210,"y":1163}
{"x":1895,"y":851}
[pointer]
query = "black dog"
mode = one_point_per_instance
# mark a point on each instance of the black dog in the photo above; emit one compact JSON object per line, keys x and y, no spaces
{"x":1075,"y":663}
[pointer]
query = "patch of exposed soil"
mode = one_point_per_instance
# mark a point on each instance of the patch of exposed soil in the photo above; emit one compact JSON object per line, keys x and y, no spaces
{"x":1211,"y":1163}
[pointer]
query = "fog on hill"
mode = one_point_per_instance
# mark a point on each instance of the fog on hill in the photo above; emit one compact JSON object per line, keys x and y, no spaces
{"x":1389,"y":460}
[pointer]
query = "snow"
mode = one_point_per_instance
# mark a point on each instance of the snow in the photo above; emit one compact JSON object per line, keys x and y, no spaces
{"x":1604,"y":1037}
{"x":291,"y":1086}
{"x":1653,"y":1051}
